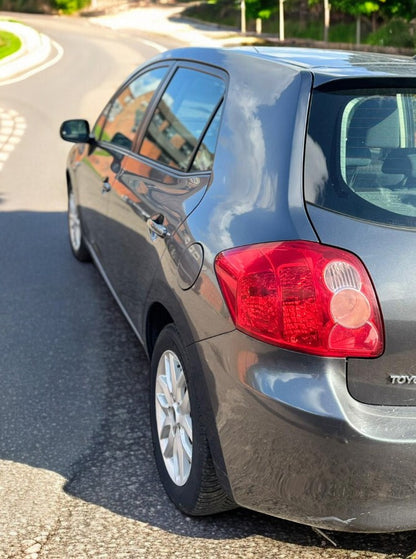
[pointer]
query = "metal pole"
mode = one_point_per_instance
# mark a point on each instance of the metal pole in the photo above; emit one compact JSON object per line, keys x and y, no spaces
{"x":358,"y":30}
{"x":281,"y":21}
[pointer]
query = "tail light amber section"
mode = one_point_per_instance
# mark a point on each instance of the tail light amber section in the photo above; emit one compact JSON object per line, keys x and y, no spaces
{"x":302,"y":296}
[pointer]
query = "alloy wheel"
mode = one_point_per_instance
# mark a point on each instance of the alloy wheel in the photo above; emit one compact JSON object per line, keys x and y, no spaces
{"x":173,"y":417}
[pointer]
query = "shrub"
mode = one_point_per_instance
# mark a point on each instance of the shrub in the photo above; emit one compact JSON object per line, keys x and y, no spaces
{"x":30,"y":6}
{"x":395,"y":33}
{"x":43,"y":6}
{"x":221,"y":12}
{"x":69,"y":6}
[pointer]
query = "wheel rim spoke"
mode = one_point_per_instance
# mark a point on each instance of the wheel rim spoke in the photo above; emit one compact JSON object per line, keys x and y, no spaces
{"x":173,"y":418}
{"x":163,"y":392}
{"x":186,"y":445}
{"x":169,"y":440}
{"x":180,"y":458}
{"x":186,"y":424}
{"x":165,"y":428}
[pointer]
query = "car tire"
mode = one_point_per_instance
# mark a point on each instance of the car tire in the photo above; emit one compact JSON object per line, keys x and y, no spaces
{"x":76,"y":239}
{"x":180,"y":444}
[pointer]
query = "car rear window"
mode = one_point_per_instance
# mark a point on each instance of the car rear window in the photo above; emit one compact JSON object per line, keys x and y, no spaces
{"x":360,"y":155}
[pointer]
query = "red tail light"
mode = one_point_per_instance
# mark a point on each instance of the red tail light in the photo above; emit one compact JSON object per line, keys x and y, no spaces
{"x":302,"y":296}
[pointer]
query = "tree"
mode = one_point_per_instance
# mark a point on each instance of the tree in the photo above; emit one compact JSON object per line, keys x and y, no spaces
{"x":69,"y":6}
{"x":260,"y":8}
{"x":405,"y":9}
{"x":360,"y":8}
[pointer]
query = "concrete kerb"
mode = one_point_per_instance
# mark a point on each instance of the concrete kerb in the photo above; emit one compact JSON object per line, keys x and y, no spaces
{"x":35,"y":48}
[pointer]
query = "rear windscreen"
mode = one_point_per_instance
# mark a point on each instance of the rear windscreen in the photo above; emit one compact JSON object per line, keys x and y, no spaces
{"x":361,"y":154}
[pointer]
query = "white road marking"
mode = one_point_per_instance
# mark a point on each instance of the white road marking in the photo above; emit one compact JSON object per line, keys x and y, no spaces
{"x":12,"y":128}
{"x":33,"y":71}
{"x":153,"y":45}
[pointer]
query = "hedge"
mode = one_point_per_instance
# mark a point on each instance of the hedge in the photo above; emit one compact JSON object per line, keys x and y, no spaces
{"x":43,"y":6}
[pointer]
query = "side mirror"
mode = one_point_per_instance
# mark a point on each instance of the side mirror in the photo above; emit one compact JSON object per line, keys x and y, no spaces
{"x":121,"y":140}
{"x":77,"y":131}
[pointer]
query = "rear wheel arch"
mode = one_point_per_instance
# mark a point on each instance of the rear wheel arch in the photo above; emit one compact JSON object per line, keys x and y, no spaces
{"x":68,"y":182}
{"x":195,"y":488}
{"x":160,"y":316}
{"x":157,"y":318}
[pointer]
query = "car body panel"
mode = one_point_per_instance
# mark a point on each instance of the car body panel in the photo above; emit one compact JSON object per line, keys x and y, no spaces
{"x":93,"y":168}
{"x":298,"y":446}
{"x":329,"y":65}
{"x":144,"y":193}
{"x":258,"y":197}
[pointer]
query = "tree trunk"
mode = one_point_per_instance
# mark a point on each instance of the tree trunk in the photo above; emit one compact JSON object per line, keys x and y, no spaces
{"x":327,"y":8}
{"x":281,"y":20}
{"x":303,"y":14}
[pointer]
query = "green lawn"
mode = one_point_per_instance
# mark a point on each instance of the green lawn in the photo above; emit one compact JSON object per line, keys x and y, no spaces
{"x":9,"y":43}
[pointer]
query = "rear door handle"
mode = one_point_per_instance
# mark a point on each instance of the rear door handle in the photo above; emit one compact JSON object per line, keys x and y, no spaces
{"x":157,"y":229}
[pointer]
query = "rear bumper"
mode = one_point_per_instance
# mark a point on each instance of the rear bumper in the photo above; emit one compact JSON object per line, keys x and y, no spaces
{"x":296,"y":445}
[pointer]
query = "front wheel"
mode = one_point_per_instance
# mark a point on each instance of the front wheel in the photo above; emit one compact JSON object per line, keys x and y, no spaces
{"x":76,"y":240}
{"x":181,"y":448}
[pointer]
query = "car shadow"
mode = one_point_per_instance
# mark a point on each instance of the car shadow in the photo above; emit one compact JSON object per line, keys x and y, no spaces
{"x":74,"y":394}
{"x":119,"y":473}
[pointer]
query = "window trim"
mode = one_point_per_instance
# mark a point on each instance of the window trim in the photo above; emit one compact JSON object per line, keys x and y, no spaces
{"x":203,"y":133}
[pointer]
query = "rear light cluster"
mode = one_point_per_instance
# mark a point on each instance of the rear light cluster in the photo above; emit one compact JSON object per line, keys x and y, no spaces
{"x":302,"y":296}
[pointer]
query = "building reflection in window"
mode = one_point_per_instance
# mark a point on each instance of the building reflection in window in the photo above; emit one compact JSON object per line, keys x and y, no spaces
{"x":126,"y":112}
{"x":183,"y":115}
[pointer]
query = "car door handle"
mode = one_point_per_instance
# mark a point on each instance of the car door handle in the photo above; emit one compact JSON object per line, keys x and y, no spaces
{"x":136,"y":207}
{"x":106,"y":186}
{"x":157,"y":228}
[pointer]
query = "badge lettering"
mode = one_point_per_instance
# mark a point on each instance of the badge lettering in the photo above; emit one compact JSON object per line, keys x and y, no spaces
{"x":402,"y":379}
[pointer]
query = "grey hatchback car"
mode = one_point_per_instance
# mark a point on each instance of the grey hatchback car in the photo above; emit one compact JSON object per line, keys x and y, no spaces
{"x":253,"y":211}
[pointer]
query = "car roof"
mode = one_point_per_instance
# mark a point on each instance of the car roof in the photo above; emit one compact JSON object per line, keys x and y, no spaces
{"x":325,"y":65}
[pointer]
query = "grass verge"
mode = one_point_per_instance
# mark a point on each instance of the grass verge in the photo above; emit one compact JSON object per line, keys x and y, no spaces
{"x":9,"y":43}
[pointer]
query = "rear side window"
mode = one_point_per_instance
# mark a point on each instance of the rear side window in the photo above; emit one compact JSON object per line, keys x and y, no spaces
{"x":185,"y":112}
{"x":124,"y":114}
{"x":361,"y":154}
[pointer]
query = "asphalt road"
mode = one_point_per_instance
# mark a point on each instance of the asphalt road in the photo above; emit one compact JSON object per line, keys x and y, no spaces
{"x":77,"y":476}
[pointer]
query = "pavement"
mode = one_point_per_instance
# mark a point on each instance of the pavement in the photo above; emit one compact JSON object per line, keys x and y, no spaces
{"x":158,"y":20}
{"x":167,"y":20}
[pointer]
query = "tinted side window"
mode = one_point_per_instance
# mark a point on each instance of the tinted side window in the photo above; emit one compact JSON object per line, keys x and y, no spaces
{"x":181,"y":117}
{"x":361,"y":154}
{"x":125,"y":113}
